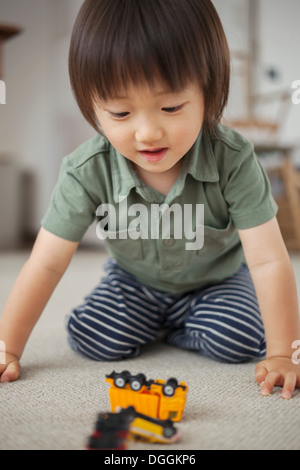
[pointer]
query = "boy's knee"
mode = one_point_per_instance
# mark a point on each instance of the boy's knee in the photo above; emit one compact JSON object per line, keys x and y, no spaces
{"x":216,"y":345}
{"x":220,"y":345}
{"x":95,"y":345}
{"x":100,"y":352}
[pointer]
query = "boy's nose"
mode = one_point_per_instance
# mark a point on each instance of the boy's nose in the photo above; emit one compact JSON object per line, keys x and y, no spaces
{"x":148,"y":132}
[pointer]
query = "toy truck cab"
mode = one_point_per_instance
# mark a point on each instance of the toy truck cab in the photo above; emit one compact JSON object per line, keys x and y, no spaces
{"x":113,"y":430}
{"x":155,"y":398}
{"x":153,"y":429}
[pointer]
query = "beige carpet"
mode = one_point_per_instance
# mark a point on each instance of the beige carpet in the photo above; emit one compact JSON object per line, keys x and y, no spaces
{"x":55,"y":402}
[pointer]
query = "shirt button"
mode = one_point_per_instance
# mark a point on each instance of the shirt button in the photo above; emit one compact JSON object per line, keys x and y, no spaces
{"x":169,"y":241}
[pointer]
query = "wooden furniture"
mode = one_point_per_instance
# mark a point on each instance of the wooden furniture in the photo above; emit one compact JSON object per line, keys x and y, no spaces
{"x":287,"y":179}
{"x":6,"y":32}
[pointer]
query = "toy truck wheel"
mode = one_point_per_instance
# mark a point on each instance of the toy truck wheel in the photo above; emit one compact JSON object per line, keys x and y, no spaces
{"x":130,"y":413}
{"x":169,"y":431}
{"x":121,"y":379}
{"x":170,"y":387}
{"x":137,"y":382}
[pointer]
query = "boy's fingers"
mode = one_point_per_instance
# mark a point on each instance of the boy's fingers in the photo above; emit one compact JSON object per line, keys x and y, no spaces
{"x":260,"y":373}
{"x":289,"y":385}
{"x":271,"y":379}
{"x":11,"y":372}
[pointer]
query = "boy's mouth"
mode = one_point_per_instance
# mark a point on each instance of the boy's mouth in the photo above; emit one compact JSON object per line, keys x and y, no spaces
{"x":154,"y":155}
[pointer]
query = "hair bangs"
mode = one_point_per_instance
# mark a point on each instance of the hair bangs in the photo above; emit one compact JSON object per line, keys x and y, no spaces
{"x":140,"y":48}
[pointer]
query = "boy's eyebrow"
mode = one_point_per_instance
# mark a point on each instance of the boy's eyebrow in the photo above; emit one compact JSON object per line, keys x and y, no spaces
{"x":159,"y":93}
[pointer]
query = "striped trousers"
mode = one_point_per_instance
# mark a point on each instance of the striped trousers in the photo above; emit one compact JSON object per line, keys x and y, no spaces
{"x":221,"y":321}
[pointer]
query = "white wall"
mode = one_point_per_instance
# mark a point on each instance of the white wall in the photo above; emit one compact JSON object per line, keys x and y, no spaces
{"x":277,"y":36}
{"x":40,"y":121}
{"x":279,"y":49}
{"x":234,"y":15}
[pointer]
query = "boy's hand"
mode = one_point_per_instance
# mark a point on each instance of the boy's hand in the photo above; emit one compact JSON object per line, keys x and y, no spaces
{"x":10,"y":371}
{"x":278,"y":371}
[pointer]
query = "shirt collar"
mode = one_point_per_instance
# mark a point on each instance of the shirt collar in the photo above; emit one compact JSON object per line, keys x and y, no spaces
{"x":199,"y":162}
{"x":123,"y":176}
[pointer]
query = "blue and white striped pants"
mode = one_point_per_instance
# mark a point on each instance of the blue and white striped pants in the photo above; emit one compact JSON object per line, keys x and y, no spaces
{"x":220,"y":321}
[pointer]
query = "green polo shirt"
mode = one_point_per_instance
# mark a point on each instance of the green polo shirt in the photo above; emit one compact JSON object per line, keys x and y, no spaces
{"x":220,"y":174}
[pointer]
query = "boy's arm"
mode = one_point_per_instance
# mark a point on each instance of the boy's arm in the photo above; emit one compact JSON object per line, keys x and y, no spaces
{"x":36,"y":282}
{"x":274,"y":281}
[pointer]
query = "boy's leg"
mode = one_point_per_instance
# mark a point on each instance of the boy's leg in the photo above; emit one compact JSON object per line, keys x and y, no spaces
{"x":224,"y":321}
{"x":116,"y":318}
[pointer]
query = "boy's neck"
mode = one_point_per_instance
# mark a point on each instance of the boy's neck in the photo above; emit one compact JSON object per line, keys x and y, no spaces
{"x":161,"y":182}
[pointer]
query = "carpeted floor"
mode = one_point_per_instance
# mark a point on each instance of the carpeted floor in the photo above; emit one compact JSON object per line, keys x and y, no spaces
{"x":55,"y":402}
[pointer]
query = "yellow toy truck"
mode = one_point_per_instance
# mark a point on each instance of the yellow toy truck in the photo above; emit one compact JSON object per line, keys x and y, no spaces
{"x":154,"y":398}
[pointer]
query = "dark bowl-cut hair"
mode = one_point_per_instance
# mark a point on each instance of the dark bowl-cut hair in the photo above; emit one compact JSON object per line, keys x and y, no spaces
{"x":120,"y":42}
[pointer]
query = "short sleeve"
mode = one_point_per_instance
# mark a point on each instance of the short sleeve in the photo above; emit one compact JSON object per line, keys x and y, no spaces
{"x":71,"y":209}
{"x":247,"y":191}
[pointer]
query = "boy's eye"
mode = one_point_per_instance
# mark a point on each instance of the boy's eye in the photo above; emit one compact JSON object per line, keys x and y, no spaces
{"x":172,"y":109}
{"x":119,"y":115}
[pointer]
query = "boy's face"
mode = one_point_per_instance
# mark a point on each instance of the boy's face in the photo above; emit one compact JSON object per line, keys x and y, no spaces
{"x":152,"y":127}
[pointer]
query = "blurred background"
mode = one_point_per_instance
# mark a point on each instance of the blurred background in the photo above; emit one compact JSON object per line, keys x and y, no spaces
{"x":40,"y":121}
